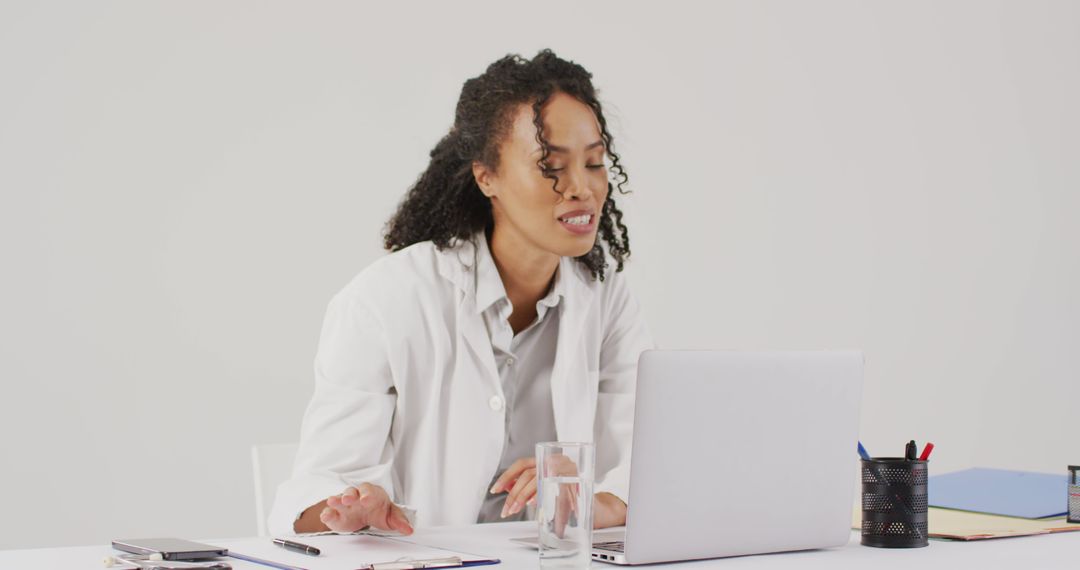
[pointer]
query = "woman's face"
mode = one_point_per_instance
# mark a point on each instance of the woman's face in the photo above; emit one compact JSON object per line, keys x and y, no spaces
{"x":523,"y":202}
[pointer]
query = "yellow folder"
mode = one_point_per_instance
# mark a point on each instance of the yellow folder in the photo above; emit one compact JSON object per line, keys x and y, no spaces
{"x":964,"y":525}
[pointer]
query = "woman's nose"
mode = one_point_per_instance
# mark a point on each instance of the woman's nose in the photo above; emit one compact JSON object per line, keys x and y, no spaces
{"x":577,"y":185}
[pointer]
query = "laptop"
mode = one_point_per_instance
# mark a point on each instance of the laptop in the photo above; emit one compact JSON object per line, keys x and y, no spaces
{"x":738,"y":453}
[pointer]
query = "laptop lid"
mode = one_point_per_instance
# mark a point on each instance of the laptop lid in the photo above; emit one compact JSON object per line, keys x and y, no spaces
{"x":740,"y":453}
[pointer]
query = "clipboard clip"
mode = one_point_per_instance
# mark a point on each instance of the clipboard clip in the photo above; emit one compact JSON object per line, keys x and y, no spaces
{"x":410,"y":564}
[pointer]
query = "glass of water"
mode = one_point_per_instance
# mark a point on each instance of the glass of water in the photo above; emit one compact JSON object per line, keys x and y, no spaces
{"x":564,"y":503}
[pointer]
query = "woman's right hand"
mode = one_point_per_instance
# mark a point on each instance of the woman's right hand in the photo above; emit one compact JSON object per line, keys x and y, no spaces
{"x":359,"y":507}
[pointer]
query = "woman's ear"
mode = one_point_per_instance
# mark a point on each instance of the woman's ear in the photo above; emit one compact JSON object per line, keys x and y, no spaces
{"x":484,"y":178}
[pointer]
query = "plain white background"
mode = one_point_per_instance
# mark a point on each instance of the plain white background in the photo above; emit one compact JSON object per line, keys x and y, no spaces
{"x":185,"y":185}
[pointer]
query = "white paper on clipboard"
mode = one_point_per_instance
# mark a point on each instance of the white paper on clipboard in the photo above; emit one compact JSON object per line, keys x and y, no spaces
{"x":344,"y":552}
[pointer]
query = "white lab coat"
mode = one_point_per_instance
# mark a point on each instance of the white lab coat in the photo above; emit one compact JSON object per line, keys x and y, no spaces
{"x":408,"y":397}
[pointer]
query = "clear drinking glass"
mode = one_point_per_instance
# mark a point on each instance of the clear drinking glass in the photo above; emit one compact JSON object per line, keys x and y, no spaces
{"x":564,"y":503}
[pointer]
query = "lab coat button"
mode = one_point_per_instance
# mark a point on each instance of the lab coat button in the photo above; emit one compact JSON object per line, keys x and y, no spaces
{"x":496,"y":403}
{"x":510,"y":361}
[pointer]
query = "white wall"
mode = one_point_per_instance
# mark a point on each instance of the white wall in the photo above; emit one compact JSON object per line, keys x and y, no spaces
{"x":185,"y":185}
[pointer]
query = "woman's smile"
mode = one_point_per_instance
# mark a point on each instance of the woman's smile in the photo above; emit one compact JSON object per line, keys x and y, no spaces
{"x":579,"y":222}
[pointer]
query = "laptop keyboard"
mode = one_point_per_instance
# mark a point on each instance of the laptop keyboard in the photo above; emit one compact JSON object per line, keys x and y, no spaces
{"x":616,"y":545}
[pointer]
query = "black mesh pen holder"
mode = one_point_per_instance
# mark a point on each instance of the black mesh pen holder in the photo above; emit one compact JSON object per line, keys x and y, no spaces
{"x":894,"y":502}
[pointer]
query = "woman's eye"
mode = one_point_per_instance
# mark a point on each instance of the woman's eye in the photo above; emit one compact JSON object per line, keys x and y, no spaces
{"x":593,"y":166}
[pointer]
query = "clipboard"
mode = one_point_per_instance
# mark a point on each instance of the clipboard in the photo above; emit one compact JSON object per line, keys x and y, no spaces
{"x":353,"y":552}
{"x":449,"y":562}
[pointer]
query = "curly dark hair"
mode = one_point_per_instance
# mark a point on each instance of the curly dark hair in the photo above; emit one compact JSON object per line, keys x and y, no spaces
{"x":446,"y":205}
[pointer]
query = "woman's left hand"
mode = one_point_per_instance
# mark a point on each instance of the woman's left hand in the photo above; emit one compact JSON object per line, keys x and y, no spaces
{"x":608,"y":510}
{"x":519,"y":483}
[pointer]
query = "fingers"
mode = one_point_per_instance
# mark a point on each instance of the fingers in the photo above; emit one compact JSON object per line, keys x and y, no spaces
{"x":333,"y":520}
{"x":562,"y":465}
{"x":398,"y":521}
{"x":338,"y":517}
{"x":350,"y":496}
{"x":562,"y":511}
{"x":512,"y":473}
{"x":523,"y":490}
{"x":369,"y":490}
{"x":379,"y":512}
{"x":355,"y":507}
{"x":362,"y":506}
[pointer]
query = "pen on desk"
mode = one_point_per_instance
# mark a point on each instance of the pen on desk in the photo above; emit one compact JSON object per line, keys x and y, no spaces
{"x":297,"y":547}
{"x":911,"y":451}
{"x":926,"y":451}
{"x":863,"y":453}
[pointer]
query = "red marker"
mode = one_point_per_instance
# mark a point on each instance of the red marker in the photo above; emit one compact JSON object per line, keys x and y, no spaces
{"x":926,"y":452}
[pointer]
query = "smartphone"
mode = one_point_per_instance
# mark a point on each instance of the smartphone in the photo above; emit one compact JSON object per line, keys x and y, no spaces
{"x":170,"y":548}
{"x":175,"y":564}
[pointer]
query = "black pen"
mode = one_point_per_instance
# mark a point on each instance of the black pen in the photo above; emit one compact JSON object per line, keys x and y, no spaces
{"x":911,"y":451}
{"x":296,"y":546}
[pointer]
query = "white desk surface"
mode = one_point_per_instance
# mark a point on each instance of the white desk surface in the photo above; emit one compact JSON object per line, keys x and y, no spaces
{"x":1045,"y":551}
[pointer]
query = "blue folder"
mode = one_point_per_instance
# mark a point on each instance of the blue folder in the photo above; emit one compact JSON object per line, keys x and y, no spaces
{"x":1001,"y":492}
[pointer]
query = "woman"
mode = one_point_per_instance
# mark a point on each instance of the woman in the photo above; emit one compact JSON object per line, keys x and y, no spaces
{"x":495,"y":324}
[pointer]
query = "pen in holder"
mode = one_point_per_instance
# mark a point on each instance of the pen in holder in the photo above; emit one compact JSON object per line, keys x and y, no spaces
{"x":894,"y":501}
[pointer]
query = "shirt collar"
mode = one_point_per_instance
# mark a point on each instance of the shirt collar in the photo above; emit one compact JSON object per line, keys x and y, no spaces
{"x":489,"y":285}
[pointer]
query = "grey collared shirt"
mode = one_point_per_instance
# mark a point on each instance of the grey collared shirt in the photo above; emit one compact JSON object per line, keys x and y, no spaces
{"x":524,"y":362}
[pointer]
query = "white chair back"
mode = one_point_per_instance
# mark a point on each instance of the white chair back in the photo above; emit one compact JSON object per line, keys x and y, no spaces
{"x":272,"y":465}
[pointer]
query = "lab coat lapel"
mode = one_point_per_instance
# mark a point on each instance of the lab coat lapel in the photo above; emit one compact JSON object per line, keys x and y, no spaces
{"x":573,"y":388}
{"x":475,"y":357}
{"x":457,"y":264}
